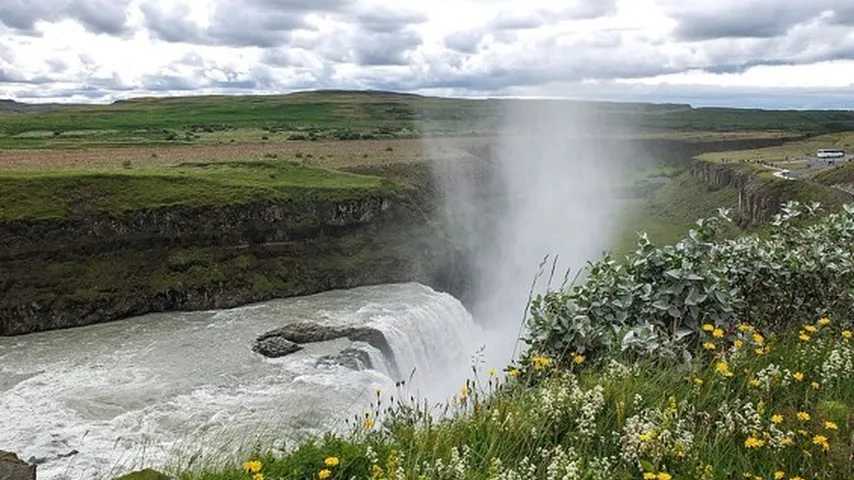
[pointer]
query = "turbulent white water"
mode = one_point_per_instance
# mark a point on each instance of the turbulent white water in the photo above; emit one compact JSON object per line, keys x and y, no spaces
{"x":157,"y":388}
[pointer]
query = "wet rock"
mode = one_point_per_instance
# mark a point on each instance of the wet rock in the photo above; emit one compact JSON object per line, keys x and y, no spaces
{"x":147,"y":474}
{"x":352,"y":358}
{"x":307,"y":332}
{"x":13,"y":468}
{"x":275,"y":346}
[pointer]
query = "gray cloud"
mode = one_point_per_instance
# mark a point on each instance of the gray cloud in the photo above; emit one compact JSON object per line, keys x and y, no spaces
{"x":238,"y":23}
{"x":374,"y":49}
{"x":507,"y":21}
{"x":168,"y":82}
{"x":580,"y":9}
{"x":171,"y":25}
{"x":752,"y":18}
{"x":465,"y":42}
{"x":98,"y":16}
{"x":388,"y":21}
{"x":277,"y":45}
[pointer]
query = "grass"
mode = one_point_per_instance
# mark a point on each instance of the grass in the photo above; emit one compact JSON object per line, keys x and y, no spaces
{"x":792,"y":155}
{"x":668,"y":212}
{"x":728,"y":413}
{"x":348,"y":114}
{"x":839,"y":175}
{"x":60,"y":194}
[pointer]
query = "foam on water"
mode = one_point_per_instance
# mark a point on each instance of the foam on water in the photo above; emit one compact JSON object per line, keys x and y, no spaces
{"x":146,"y":390}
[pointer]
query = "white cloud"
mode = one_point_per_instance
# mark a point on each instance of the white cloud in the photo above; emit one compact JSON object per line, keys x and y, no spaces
{"x":104,"y":49}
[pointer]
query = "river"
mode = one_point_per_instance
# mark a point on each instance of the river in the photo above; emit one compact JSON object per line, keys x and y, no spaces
{"x":185,"y":387}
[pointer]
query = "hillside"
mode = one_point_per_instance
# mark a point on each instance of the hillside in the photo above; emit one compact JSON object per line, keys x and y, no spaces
{"x":150,"y":204}
{"x":349,"y":115}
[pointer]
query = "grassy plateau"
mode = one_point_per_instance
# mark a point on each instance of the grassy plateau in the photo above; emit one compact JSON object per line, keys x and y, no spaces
{"x":57,"y":194}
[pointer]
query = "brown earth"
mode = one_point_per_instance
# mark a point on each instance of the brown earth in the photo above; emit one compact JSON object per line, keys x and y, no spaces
{"x":327,"y":154}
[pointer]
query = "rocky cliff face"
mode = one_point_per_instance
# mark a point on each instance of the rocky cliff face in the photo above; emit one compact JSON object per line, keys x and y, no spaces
{"x":79,"y":271}
{"x":755,"y":204}
{"x":261,"y":222}
{"x":760,"y":197}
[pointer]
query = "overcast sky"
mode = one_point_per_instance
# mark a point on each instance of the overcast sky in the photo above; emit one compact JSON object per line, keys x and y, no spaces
{"x":768,"y":53}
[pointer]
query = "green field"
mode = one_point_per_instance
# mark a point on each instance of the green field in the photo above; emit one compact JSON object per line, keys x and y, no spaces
{"x":356,"y":115}
{"x":45,"y":194}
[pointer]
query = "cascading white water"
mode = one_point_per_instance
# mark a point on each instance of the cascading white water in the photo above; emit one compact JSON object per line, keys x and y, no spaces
{"x":133,"y":393}
{"x":432,"y":340}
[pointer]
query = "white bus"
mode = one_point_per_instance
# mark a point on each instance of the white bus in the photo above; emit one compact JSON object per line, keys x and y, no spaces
{"x":830,"y":153}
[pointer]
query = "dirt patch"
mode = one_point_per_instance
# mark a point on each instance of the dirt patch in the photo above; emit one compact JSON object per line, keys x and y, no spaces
{"x":327,"y":154}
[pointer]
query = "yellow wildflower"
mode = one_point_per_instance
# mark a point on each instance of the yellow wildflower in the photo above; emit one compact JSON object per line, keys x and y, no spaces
{"x":810,"y":328}
{"x":824,"y":321}
{"x":754,"y":382}
{"x":253,"y":466}
{"x":709,"y":345}
{"x":718,"y":333}
{"x":776,"y":419}
{"x":753,"y":442}
{"x":578,"y":358}
{"x":698,"y":381}
{"x":331,"y":461}
{"x":664,"y":476}
{"x":708,"y":327}
{"x":787,"y":441}
{"x":647,"y":436}
{"x":758,"y":339}
{"x":745,"y":328}
{"x":464,"y":392}
{"x":830,"y":425}
{"x":737,"y":344}
{"x":779,"y":475}
{"x":541,"y":362}
{"x":821,"y":441}
{"x":649,"y":476}
{"x":722,"y":368}
{"x":846,"y":334}
{"x":796,"y":478}
{"x":804,"y":337}
{"x":799,"y":376}
{"x":815,"y":385}
{"x":324,"y":474}
{"x":513,"y":372}
{"x":759,"y":351}
{"x":258,"y":476}
{"x":803,"y":416}
{"x":368,"y":423}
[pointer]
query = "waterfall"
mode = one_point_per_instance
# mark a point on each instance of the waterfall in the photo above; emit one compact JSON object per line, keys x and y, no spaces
{"x":433,"y":338}
{"x":131,"y":393}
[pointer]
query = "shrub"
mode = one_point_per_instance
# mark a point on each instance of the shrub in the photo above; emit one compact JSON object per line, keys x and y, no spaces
{"x":655,"y":302}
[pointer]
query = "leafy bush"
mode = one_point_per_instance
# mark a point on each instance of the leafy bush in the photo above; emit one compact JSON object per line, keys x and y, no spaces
{"x":655,"y":302}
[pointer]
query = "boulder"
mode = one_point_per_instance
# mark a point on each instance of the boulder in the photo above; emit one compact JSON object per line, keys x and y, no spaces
{"x":307,"y":332}
{"x":147,"y":474}
{"x":274,"y":347}
{"x":352,"y":358}
{"x":13,"y":468}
